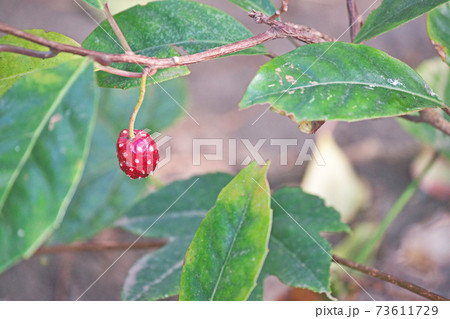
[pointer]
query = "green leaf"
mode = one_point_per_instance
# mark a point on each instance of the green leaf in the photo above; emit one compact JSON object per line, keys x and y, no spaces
{"x":46,"y":122}
{"x":393,"y":13}
{"x":437,"y":75}
{"x":157,"y":28}
{"x":15,"y":65}
{"x":258,"y":292}
{"x":96,"y":3}
{"x":177,"y":209}
{"x":157,"y":275}
{"x":265,"y":6}
{"x":339,"y":81}
{"x":105,"y":192}
{"x":298,"y":255}
{"x":438,"y":25}
{"x":228,"y":250}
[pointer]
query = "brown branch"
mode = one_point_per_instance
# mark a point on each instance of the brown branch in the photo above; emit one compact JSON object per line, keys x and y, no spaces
{"x":119,"y":72}
{"x":355,"y":20}
{"x":278,"y":30}
{"x":112,"y":22}
{"x":283,"y":9}
{"x":389,"y":278}
{"x":431,"y":117}
{"x":29,"y":52}
{"x":100,"y":57}
{"x":286,"y":29}
{"x":95,"y":247}
{"x":154,"y":63}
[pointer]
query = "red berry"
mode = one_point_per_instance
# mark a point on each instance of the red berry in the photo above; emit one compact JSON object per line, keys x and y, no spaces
{"x":137,"y":157}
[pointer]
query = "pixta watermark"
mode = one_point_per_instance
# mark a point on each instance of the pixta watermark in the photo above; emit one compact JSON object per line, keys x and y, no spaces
{"x":233,"y":150}
{"x":284,"y":147}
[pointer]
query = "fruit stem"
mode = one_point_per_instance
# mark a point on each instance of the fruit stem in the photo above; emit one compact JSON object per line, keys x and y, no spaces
{"x":138,"y":104}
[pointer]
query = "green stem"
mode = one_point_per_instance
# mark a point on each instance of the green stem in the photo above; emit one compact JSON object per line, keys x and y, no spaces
{"x":393,"y":213}
{"x":138,"y":105}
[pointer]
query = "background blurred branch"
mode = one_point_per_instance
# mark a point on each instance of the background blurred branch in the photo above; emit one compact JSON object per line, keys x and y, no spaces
{"x":389,"y":278}
{"x":95,"y":247}
{"x":105,"y":246}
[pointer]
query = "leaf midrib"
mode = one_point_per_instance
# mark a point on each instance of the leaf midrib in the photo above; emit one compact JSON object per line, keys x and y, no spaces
{"x":231,"y":246}
{"x":371,"y":85}
{"x":39,"y":130}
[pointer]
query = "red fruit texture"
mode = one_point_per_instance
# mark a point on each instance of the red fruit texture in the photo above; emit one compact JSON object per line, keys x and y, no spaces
{"x":137,"y":157}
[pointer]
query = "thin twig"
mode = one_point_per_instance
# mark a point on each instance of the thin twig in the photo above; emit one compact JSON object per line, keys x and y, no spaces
{"x":355,"y":20}
{"x":119,"y":72}
{"x":279,"y":30}
{"x":286,"y":29}
{"x":432,"y":117}
{"x":283,"y":9}
{"x":154,"y":63}
{"x":28,"y":52}
{"x":112,"y":22}
{"x":95,"y":247}
{"x":389,"y":278}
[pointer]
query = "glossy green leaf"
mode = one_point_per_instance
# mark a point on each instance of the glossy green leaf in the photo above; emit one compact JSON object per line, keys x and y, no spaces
{"x":95,"y":3}
{"x":437,"y":75}
{"x":158,"y":28}
{"x":339,"y":81}
{"x":228,"y":250}
{"x":438,"y":25}
{"x":157,"y":275}
{"x":298,"y":255}
{"x":265,"y":6}
{"x":46,"y":122}
{"x":14,"y":66}
{"x":393,"y":13}
{"x":105,"y":192}
{"x":176,"y":211}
